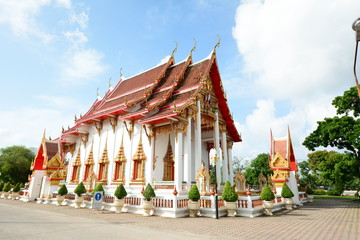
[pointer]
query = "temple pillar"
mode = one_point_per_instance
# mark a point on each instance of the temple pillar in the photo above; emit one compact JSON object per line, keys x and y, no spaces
{"x":149,"y":172}
{"x":225,"y":169}
{"x":188,"y":159}
{"x":198,"y":143}
{"x":217,"y":147}
{"x":229,"y":151}
{"x":178,"y":175}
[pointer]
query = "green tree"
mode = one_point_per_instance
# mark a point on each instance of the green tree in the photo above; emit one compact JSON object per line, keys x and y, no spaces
{"x":334,"y":169}
{"x":307,"y":176}
{"x":341,"y":131}
{"x":237,"y":164}
{"x":15,"y":162}
{"x":258,"y":166}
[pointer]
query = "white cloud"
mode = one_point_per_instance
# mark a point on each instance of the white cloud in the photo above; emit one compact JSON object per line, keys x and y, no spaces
{"x":82,"y":65}
{"x":64,"y":3}
{"x":297,"y":48}
{"x":26,"y":126}
{"x":256,"y":129}
{"x":164,"y":60}
{"x":299,"y":52}
{"x":82,"y":19}
{"x":20,"y":15}
{"x":76,"y":38}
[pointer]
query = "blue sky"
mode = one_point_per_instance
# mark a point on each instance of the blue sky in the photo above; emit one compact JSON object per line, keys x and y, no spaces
{"x":281,"y":62}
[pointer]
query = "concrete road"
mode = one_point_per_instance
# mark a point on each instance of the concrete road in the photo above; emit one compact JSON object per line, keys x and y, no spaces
{"x":323,"y":219}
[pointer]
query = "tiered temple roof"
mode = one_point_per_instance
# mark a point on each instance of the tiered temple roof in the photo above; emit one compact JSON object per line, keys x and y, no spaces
{"x":161,"y":94}
{"x":283,"y":146}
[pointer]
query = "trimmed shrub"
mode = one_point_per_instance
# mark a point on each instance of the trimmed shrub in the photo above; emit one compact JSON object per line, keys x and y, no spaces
{"x":1,"y":186}
{"x":194,"y":193}
{"x":22,"y":185}
{"x":62,"y":190}
{"x":120,"y":192}
{"x":16,"y":188}
{"x":319,"y":192}
{"x":333,"y":192}
{"x":309,"y":191}
{"x":267,"y":194}
{"x":229,"y":193}
{"x":7,"y":187}
{"x":149,"y":192}
{"x":286,"y":191}
{"x":98,"y":188}
{"x":80,"y":189}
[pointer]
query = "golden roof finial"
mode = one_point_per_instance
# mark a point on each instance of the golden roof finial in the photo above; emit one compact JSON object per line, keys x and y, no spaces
{"x":121,"y":75}
{"x":97,"y":92}
{"x":218,"y":43}
{"x":194,"y":47}
{"x":110,"y":82}
{"x":175,"y":49}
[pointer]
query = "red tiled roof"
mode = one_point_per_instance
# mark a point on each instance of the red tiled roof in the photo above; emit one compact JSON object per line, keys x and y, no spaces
{"x":169,"y":88}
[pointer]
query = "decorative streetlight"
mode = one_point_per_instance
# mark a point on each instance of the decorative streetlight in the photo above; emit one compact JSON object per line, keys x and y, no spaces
{"x":214,"y":158}
{"x":356,"y":28}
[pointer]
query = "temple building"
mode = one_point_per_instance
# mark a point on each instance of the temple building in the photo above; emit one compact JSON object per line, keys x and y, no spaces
{"x":282,"y":161}
{"x":155,"y":127}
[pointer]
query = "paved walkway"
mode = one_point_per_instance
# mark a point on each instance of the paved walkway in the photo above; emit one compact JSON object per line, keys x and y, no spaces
{"x":323,"y":219}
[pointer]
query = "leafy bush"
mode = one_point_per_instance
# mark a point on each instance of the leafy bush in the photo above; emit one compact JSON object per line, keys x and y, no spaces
{"x":333,"y":192}
{"x":194,"y":193}
{"x":1,"y":186}
{"x":62,"y":190}
{"x":267,"y":194}
{"x":309,"y":191}
{"x":80,"y":189}
{"x":149,"y":192}
{"x":98,"y":188}
{"x":7,"y":187}
{"x":229,"y":193}
{"x":319,"y":192}
{"x":120,"y":192}
{"x":286,"y":191}
{"x":16,"y":188}
{"x":22,"y":185}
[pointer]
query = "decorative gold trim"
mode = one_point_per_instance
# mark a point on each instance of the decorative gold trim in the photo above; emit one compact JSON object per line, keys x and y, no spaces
{"x":99,"y":126}
{"x":129,"y":129}
{"x":202,"y":179}
{"x":84,"y":138}
{"x":150,"y":134}
{"x":113,"y":122}
{"x":139,"y":162}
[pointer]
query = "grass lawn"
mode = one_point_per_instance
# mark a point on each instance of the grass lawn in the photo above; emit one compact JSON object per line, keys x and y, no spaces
{"x":328,"y":196}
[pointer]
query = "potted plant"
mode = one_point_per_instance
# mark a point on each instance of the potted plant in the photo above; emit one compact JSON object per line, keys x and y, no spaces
{"x":287,"y":194}
{"x":230,"y":197}
{"x":6,"y":190}
{"x":61,"y":194}
{"x":120,"y":193}
{"x":310,"y":194}
{"x":267,"y":196}
{"x":1,"y":188}
{"x":79,"y":190}
{"x":193,"y":204}
{"x":15,"y":191}
{"x":147,"y":202}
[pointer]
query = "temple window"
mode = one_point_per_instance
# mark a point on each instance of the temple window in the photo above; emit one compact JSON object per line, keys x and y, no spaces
{"x":76,"y":169}
{"x":139,"y":163}
{"x":169,"y":164}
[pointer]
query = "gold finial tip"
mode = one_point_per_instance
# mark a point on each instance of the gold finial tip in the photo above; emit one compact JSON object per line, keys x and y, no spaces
{"x":121,"y":73}
{"x":175,"y":49}
{"x":218,"y":43}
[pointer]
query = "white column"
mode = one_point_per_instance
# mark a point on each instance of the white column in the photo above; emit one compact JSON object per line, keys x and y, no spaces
{"x":225,"y":157}
{"x":149,"y":162}
{"x":231,"y":177}
{"x":128,"y":149}
{"x":188,"y":163}
{"x":217,"y":147}
{"x":178,"y":162}
{"x":198,"y":143}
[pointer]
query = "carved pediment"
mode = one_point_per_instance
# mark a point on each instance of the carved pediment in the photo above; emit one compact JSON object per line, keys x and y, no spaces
{"x":279,"y":162}
{"x":55,"y":162}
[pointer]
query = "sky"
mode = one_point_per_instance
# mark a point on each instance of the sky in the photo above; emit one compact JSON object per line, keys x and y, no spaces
{"x":281,"y":62}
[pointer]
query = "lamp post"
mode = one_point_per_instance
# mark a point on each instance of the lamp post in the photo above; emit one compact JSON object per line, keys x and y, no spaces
{"x":356,"y":28}
{"x":214,"y":158}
